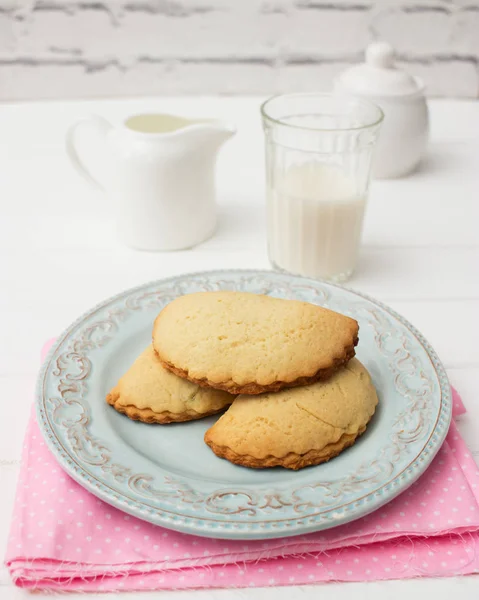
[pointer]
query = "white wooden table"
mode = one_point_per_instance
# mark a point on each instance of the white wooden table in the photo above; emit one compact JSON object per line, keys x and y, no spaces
{"x":59,"y":256}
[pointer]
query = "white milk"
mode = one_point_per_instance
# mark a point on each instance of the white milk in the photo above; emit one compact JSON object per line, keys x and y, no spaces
{"x":314,"y":221}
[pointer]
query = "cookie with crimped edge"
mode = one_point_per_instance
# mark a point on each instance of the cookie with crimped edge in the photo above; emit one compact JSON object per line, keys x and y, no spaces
{"x":296,"y":427}
{"x":150,"y":393}
{"x":247,"y":343}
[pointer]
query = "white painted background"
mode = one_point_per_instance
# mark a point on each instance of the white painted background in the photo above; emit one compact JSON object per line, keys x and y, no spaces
{"x":81,"y":48}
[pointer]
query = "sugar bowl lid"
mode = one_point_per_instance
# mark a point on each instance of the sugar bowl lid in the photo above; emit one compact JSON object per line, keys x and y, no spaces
{"x":379,"y":75}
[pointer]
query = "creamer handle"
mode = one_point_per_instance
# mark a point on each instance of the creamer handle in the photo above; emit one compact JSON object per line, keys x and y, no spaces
{"x":102,"y":126}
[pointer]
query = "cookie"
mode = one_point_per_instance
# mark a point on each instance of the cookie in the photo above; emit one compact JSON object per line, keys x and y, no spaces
{"x":148,"y":392}
{"x":296,"y":427}
{"x":249,"y":344}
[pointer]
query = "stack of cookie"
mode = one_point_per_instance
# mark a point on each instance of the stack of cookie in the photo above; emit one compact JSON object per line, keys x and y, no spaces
{"x":297,"y":395}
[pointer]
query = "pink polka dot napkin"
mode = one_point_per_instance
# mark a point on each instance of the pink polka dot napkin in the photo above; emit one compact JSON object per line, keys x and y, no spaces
{"x":63,"y":538}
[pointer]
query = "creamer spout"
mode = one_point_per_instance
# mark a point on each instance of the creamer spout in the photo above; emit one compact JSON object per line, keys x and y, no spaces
{"x":209,"y":134}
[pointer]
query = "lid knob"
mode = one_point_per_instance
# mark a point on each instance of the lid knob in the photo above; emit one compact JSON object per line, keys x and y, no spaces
{"x":379,"y":75}
{"x":381,"y":55}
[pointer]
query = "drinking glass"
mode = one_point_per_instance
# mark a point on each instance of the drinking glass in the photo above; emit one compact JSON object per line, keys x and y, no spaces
{"x":319,"y":149}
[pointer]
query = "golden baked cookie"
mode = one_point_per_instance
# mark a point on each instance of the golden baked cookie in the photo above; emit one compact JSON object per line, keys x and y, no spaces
{"x":296,"y":427}
{"x":248,"y":343}
{"x":148,"y":392}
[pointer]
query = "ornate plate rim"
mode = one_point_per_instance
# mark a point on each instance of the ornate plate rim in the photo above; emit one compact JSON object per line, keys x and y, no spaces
{"x":366,"y":504}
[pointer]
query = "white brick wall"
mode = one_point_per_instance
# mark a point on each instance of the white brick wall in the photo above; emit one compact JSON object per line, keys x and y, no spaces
{"x":78,"y":48}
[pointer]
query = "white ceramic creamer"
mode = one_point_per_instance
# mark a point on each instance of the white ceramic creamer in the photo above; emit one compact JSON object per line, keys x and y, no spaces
{"x":160,"y":171}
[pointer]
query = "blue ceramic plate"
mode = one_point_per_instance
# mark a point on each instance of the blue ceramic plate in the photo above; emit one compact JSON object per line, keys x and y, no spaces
{"x":165,"y":474}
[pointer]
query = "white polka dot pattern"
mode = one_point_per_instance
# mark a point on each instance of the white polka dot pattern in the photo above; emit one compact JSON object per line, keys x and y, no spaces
{"x":64,"y":538}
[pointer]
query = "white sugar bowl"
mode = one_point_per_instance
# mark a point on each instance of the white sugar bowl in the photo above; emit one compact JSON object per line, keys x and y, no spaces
{"x":404,"y":135}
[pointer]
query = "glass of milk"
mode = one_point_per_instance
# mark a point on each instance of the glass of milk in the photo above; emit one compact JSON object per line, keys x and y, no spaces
{"x":319,"y":149}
